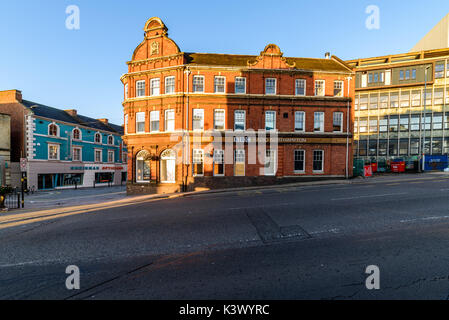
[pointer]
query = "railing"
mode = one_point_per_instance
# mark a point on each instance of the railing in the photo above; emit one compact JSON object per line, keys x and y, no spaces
{"x":13,"y":200}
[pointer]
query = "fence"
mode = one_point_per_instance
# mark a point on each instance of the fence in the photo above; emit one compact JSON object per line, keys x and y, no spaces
{"x":13,"y":200}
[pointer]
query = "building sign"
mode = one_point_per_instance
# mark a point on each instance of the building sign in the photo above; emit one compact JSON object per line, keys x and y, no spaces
{"x":23,"y":164}
{"x":84,"y":168}
{"x":112,"y":168}
{"x":288,"y":140}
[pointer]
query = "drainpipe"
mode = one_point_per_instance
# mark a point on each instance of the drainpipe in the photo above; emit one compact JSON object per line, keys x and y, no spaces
{"x":347,"y":130}
{"x":186,"y":128}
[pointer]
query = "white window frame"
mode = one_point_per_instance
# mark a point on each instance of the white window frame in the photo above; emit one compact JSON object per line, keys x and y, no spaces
{"x":57,"y":130}
{"x":244,"y":89}
{"x":111,"y":136}
{"x":274,"y":120}
{"x":304,"y":161}
{"x":113,"y":156}
{"x":244,"y":119}
{"x":166,"y":118}
{"x":322,"y":121}
{"x":303,"y":121}
{"x":341,"y":121}
{"x":236,"y":152}
{"x":58,"y":148}
{"x":171,"y":86}
{"x":95,"y":138}
{"x":158,"y":120}
{"x":223,"y":111}
{"x":198,"y":112}
{"x":126,"y":91}
{"x":219,"y":154}
{"x":273,"y":167}
{"x":139,"y":90}
{"x":266,"y":86}
{"x":194,"y":85}
{"x":219,"y":78}
{"x":322,"y":161}
{"x":155,"y":90}
{"x":80,"y":135}
{"x":342,"y":83}
{"x":323,"y":82}
{"x":101,"y":155}
{"x":195,"y":158}
{"x":81,"y":153}
{"x":297,"y":86}
{"x":126,"y":123}
{"x":137,"y":121}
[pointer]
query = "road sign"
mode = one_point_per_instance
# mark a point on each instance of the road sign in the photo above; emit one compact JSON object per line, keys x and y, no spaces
{"x":23,"y":164}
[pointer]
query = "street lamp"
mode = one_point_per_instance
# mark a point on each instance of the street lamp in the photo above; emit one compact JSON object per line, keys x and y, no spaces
{"x":424,"y":121}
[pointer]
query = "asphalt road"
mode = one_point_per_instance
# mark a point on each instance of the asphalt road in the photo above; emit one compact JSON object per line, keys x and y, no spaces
{"x":311,"y":242}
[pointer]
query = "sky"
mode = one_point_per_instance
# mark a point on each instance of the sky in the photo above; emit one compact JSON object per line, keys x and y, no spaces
{"x":81,"y":69}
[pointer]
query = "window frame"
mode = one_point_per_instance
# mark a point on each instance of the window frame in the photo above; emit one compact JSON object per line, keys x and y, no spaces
{"x":153,"y":88}
{"x":323,"y":88}
{"x":244,"y":119}
{"x":58,"y":151}
{"x":167,"y":119}
{"x":138,"y":90}
{"x":215,"y":157}
{"x":235,"y":85}
{"x":266,"y":86}
{"x":303,"y":121}
{"x":197,"y":151}
{"x":113,"y":156}
{"x":342,"y":83}
{"x":173,"y":91}
{"x":322,"y":121}
{"x":304,"y":82}
{"x":267,"y":112}
{"x":144,"y":122}
{"x":339,"y":113}
{"x":221,"y":78}
{"x":197,"y":76}
{"x":154,"y":113}
{"x":223,"y":111}
{"x":322,"y":161}
{"x":195,"y":121}
{"x":96,"y":150}
{"x":303,"y":161}
{"x":80,"y":154}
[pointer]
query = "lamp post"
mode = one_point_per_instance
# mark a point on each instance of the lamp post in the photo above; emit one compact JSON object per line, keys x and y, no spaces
{"x":424,"y":122}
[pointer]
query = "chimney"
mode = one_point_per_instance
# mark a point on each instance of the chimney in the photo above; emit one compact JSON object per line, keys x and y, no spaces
{"x":72,"y":112}
{"x":10,"y":96}
{"x":105,"y":121}
{"x":327,"y":55}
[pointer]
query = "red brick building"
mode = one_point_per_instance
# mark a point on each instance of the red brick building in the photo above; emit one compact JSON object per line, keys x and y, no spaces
{"x":179,"y":105}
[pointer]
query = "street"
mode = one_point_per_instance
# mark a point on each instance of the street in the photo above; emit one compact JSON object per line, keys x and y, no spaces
{"x":291,"y":242}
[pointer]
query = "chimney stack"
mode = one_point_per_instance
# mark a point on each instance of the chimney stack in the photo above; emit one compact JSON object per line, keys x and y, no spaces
{"x":11,"y":96}
{"x":327,"y":55}
{"x":105,"y":121}
{"x":72,"y":112}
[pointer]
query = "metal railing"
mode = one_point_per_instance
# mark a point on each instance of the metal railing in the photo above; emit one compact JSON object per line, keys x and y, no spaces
{"x":13,"y":200}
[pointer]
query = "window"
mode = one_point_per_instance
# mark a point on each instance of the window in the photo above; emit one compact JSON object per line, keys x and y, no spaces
{"x":363,"y":125}
{"x":415,"y":122}
{"x":270,"y":120}
{"x":416,"y":98}
{"x":270,"y":163}
{"x":300,"y":119}
{"x":98,"y":155}
{"x":383,"y":125}
{"x":126,"y":91}
{"x":437,"y":122}
{"x":169,"y":85}
{"x":439,"y":70}
{"x":111,"y":156}
{"x":300,"y":87}
{"x":373,"y":125}
{"x":218,"y":163}
{"x":240,"y":120}
{"x":405,"y":99}
{"x":363,"y":102}
{"x":219,"y":119}
{"x":239,"y":167}
{"x":53,"y":152}
{"x":76,"y":134}
{"x":140,"y":88}
{"x":370,"y":78}
{"x":299,"y":161}
{"x":373,"y":101}
{"x":154,"y":121}
{"x":407,"y":74}
{"x":338,"y":122}
{"x":318,"y":160}
{"x":53,"y":130}
{"x":270,"y":86}
{"x":140,"y":122}
{"x":76,"y":154}
{"x":126,"y":124}
{"x":319,"y":122}
{"x":198,"y":119}
{"x":394,"y":123}
{"x":338,"y":88}
{"x":198,"y":162}
{"x":198,"y":84}
{"x":97,"y":137}
{"x":111,"y":140}
{"x":438,"y":96}
{"x":404,"y":123}
{"x":394,"y":100}
{"x":143,"y":167}
{"x":104,"y":177}
{"x":155,"y":86}
{"x":169,"y":120}
{"x":401,"y":75}
{"x":414,"y":74}
{"x":219,"y":84}
{"x":240,"y":85}
{"x":376,"y":77}
{"x":320,"y":88}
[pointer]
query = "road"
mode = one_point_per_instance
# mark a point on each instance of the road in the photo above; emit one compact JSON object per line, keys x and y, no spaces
{"x":308,"y":242}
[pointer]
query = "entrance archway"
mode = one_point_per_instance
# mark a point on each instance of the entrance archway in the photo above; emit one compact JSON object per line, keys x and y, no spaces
{"x":143,"y":167}
{"x":168,"y":166}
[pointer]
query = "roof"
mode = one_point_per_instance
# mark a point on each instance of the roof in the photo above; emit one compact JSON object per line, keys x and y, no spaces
{"x":242,"y":61}
{"x":60,"y":115}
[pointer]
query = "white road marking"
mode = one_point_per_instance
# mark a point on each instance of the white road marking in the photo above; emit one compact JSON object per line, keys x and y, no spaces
{"x":371,"y":196}
{"x":425,"y":219}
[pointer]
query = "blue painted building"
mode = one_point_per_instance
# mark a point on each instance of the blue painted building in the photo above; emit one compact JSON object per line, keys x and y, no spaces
{"x":63,"y":149}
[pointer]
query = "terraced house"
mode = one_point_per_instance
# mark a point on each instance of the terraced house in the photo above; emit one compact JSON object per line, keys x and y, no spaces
{"x":61,"y":148}
{"x":172,"y":96}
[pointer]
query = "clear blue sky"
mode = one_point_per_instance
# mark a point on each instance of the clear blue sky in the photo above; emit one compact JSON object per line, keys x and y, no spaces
{"x":81,"y":69}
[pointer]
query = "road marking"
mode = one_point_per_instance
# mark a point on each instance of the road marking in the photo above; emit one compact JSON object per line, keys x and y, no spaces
{"x":371,"y":196}
{"x":76,"y":198}
{"x":425,"y":219}
{"x":394,"y":184}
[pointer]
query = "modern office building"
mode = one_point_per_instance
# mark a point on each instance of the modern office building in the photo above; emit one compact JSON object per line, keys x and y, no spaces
{"x":57,"y":148}
{"x":190,"y":118}
{"x":402,"y":102}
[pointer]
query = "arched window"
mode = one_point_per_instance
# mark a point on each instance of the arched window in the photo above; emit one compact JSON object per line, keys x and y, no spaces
{"x":76,"y":134}
{"x":97,"y":138}
{"x":143,"y":167}
{"x":111,"y":140}
{"x":53,"y":130}
{"x":168,"y":166}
